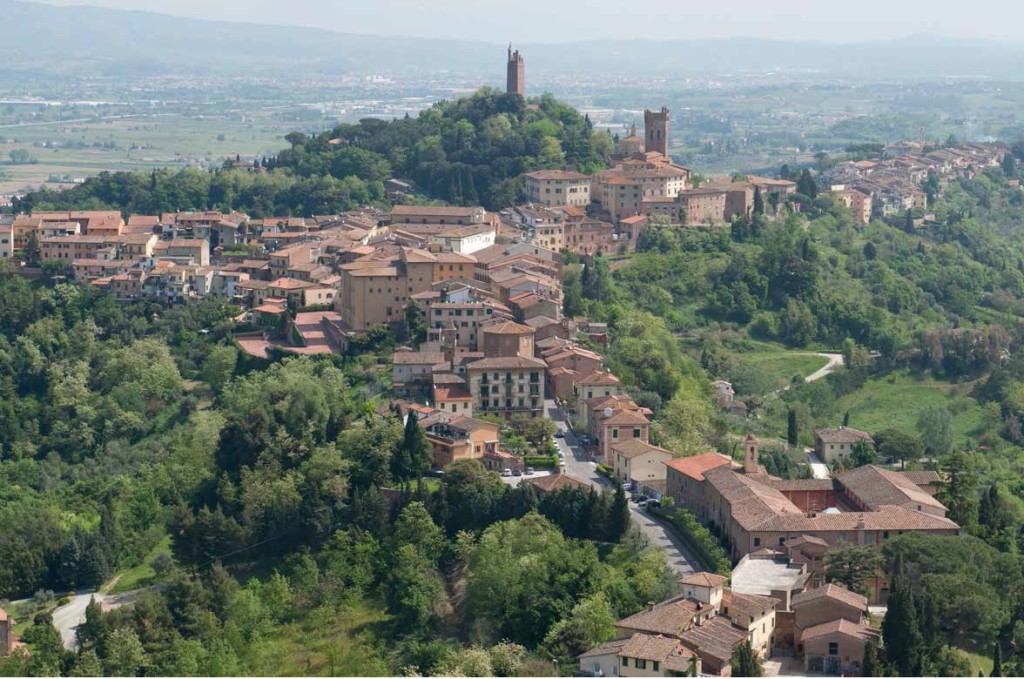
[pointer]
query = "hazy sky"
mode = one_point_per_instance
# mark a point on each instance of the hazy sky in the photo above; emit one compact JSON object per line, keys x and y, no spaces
{"x":563,"y":21}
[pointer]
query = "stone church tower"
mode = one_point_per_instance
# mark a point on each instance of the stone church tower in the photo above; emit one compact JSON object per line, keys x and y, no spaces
{"x":750,"y":458}
{"x":656,"y":131}
{"x":516,"y":80}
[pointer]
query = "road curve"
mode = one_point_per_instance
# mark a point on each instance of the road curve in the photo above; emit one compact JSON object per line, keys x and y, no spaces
{"x":834,"y":361}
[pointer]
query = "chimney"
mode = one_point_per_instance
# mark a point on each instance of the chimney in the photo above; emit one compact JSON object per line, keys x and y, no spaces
{"x":650,"y":605}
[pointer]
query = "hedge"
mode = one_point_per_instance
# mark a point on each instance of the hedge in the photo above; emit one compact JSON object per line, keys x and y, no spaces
{"x":543,"y":461}
{"x":605,"y":470}
{"x":701,"y":540}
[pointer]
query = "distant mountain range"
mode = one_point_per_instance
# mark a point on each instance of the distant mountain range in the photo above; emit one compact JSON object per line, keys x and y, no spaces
{"x":44,"y":40}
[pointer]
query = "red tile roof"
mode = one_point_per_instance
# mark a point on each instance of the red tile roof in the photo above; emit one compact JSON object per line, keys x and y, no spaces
{"x":695,"y":465}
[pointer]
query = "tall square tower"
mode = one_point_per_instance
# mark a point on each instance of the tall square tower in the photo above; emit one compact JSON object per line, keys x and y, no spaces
{"x":656,"y":131}
{"x":516,"y":80}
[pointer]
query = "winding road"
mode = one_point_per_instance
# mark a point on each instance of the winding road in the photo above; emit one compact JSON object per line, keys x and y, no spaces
{"x":578,"y":466}
{"x":834,"y":361}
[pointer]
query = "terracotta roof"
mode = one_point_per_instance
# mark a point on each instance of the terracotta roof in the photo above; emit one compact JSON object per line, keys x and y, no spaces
{"x":784,"y":485}
{"x":831,"y":591}
{"x":556,"y":174}
{"x":922,"y":478}
{"x":704,"y":580}
{"x":715,"y":638}
{"x":417,"y":357}
{"x":432,"y":211}
{"x":599,"y":378}
{"x":605,"y":649}
{"x":648,"y":647}
{"x":507,"y":363}
{"x":451,"y":393}
{"x":887,"y":517}
{"x":753,"y":605}
{"x":876,"y":487}
{"x":696,"y":465}
{"x":671,"y":618}
{"x":635,"y":448}
{"x":840,"y":626}
{"x":842,"y":435}
{"x":751,"y":502}
{"x":553,"y":482}
{"x":626,"y":417}
{"x":508,"y":328}
{"x":805,"y":540}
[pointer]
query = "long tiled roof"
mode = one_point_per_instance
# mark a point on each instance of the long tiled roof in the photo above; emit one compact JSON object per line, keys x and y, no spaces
{"x":753,"y":605}
{"x":635,"y":448}
{"x":831,"y":591}
{"x":671,"y":618}
{"x":876,"y":487}
{"x":704,"y":579}
{"x":842,"y":435}
{"x":841,"y":626}
{"x":696,"y":466}
{"x":886,"y":517}
{"x":648,"y":647}
{"x":716,"y":638}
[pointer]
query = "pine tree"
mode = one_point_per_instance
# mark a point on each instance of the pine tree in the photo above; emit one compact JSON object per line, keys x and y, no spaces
{"x":745,"y":662}
{"x":1010,"y":170}
{"x":758,"y":201}
{"x":792,"y":433}
{"x":846,"y":418}
{"x":619,"y":520}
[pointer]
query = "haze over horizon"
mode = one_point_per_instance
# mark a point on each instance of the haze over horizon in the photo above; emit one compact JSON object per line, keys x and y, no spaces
{"x":536,"y":21}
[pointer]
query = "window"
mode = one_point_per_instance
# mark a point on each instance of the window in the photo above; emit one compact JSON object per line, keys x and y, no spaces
{"x":615,"y":433}
{"x":885,"y":534}
{"x":782,"y":541}
{"x":625,"y":662}
{"x":654,"y":665}
{"x":636,"y":433}
{"x":833,"y":648}
{"x":757,"y":542}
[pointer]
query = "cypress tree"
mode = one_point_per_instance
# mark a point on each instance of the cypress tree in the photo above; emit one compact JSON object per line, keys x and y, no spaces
{"x":619,"y":520}
{"x":997,"y":661}
{"x":869,"y":667}
{"x":792,"y":434}
{"x":900,"y":631}
{"x":758,"y":201}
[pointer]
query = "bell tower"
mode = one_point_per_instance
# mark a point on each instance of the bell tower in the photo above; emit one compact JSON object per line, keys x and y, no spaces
{"x":515,"y":81}
{"x":656,"y":131}
{"x":750,"y":462}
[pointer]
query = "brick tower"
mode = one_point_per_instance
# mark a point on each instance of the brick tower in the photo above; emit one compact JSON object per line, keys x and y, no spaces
{"x":516,"y":80}
{"x":656,"y":131}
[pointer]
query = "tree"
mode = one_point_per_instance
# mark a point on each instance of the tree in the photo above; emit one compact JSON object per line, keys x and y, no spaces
{"x":869,"y":667}
{"x":219,"y":366}
{"x":863,"y":453}
{"x":806,"y":185}
{"x":908,"y":222}
{"x":935,"y":425}
{"x":745,"y":662}
{"x":897,"y":445}
{"x":590,"y":624}
{"x":414,"y":454}
{"x":415,"y":324}
{"x":853,"y":566}
{"x":758,"y":201}
{"x":900,"y":633}
{"x":87,"y":664}
{"x":1009,"y":166}
{"x":572,"y":289}
{"x":31,"y":253}
{"x":792,"y":432}
{"x":997,"y":655}
{"x":960,"y":492}
{"x":619,"y":520}
{"x":123,"y":654}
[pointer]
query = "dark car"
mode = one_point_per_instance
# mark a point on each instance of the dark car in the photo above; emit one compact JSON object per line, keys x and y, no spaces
{"x":560,"y":434}
{"x":517,"y":472}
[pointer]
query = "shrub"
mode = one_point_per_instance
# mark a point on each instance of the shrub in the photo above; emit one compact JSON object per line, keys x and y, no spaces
{"x":605,"y":470}
{"x":698,"y":537}
{"x":543,"y":461}
{"x":63,"y":601}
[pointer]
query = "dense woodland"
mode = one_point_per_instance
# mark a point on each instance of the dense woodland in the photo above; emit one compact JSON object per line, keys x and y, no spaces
{"x":303,"y":536}
{"x":468,"y":151}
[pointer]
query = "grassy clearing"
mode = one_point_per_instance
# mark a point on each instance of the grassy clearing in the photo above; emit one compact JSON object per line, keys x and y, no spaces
{"x":980,"y":663}
{"x":141,"y":575}
{"x":898,"y":400}
{"x":783,"y":366}
{"x":329,"y":643}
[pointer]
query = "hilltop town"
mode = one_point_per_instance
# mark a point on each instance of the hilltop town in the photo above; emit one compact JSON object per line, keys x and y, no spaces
{"x":418,"y":402}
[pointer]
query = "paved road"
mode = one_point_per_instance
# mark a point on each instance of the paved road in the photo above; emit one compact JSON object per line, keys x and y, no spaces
{"x":577,"y":465}
{"x":819,"y":469}
{"x":68,"y":617}
{"x":834,"y":361}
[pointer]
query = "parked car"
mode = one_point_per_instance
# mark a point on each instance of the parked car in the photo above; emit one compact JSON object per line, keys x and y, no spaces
{"x":560,"y":434}
{"x":627,"y":486}
{"x":506,"y":472}
{"x":642,"y":503}
{"x":529,"y":471}
{"x":517,"y":472}
{"x":636,"y":497}
{"x":654,"y":503}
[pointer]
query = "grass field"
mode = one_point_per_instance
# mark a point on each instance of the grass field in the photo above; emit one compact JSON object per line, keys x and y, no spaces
{"x":980,"y":663}
{"x":143,"y":574}
{"x":897,"y":401}
{"x":328,"y":643}
{"x":140,"y":143}
{"x":782,"y":366}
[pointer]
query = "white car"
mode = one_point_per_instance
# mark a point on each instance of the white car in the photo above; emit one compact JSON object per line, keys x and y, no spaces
{"x":506,"y":472}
